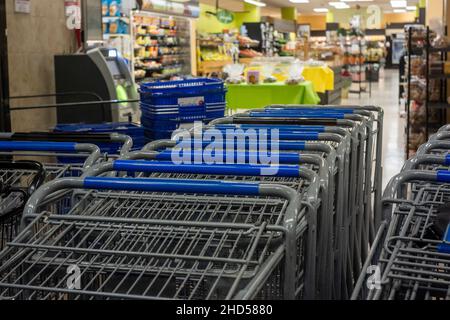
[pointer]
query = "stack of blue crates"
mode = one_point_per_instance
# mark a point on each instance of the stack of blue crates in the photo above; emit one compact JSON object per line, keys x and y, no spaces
{"x":165,"y":105}
{"x":135,"y":131}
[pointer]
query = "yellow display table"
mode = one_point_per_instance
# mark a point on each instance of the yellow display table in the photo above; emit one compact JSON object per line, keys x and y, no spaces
{"x":322,"y":78}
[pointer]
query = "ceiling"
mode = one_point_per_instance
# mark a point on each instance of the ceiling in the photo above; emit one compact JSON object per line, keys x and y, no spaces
{"x":308,"y":7}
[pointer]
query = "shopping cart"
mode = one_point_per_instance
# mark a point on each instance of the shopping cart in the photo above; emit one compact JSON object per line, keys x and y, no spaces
{"x":358,"y":127}
{"x":118,"y":138}
{"x":18,"y":180}
{"x":415,"y":258}
{"x":130,"y":242}
{"x":113,"y":144}
{"x":411,"y":255}
{"x":377,"y":133}
{"x":301,"y":179}
{"x":326,"y":219}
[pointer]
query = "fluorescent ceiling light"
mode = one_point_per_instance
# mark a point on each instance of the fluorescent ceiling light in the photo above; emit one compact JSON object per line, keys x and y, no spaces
{"x":320,"y":10}
{"x":256,"y":3}
{"x":399,"y":10}
{"x":339,"y":5}
{"x":299,"y":1}
{"x":399,"y":3}
{"x":357,"y":0}
{"x":411,"y":8}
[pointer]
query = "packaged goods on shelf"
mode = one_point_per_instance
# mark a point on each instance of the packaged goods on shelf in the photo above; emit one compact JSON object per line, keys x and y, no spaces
{"x":161,"y":48}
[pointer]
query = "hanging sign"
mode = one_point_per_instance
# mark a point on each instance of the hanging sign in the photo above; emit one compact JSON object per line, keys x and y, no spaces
{"x":225,"y":16}
{"x":22,"y":6}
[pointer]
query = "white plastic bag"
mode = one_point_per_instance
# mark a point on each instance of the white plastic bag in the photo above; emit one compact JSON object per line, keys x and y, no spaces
{"x":437,"y":26}
{"x":267,"y":73}
{"x":295,"y":73}
{"x":234,"y":72}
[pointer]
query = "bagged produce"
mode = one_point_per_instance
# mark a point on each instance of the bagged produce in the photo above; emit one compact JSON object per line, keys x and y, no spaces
{"x":295,"y":73}
{"x":234,"y":72}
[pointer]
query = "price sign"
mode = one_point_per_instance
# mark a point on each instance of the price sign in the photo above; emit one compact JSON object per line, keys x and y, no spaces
{"x":22,"y":6}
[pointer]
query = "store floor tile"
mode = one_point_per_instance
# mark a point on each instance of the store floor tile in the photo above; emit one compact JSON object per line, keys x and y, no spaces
{"x":385,"y":94}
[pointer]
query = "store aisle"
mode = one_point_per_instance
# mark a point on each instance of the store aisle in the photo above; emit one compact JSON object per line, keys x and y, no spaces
{"x":385,"y":95}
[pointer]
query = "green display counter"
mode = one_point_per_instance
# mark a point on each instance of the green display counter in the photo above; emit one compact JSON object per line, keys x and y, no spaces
{"x":244,"y":96}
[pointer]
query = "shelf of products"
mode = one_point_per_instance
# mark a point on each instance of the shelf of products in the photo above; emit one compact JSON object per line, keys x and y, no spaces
{"x":161,"y":47}
{"x":354,"y":48}
{"x":426,"y":85}
{"x":116,"y":28}
{"x":215,"y":51}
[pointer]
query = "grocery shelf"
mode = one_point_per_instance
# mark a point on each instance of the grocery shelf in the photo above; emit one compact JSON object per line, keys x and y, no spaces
{"x":438,"y":105}
{"x":439,"y":76}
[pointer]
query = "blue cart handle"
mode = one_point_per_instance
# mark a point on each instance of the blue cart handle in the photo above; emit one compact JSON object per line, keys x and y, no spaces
{"x":326,"y":109}
{"x":285,"y":134}
{"x":297,"y":115}
{"x":246,"y":156}
{"x":167,"y":185}
{"x":210,"y":169}
{"x":447,"y":160}
{"x":443,"y":176}
{"x":37,"y":146}
{"x":288,"y":128}
{"x":230,"y":144}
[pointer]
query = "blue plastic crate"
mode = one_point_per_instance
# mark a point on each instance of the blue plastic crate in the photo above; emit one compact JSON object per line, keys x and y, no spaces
{"x":165,"y":105}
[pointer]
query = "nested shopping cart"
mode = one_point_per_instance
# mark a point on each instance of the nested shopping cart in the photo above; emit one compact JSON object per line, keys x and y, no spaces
{"x":113,"y":144}
{"x":413,"y":260}
{"x":18,"y":180}
{"x":409,"y":246}
{"x":336,"y":146}
{"x":334,"y":138}
{"x":126,"y":239}
{"x":289,"y":154}
{"x":363,"y":202}
{"x":20,"y":174}
{"x":361,"y":160}
{"x":300,"y":179}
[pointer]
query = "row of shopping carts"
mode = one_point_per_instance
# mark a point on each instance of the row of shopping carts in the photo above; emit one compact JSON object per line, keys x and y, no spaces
{"x":140,"y":225}
{"x":410,"y":259}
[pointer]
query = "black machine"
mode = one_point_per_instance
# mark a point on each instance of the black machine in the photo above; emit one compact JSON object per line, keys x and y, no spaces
{"x":97,"y":74}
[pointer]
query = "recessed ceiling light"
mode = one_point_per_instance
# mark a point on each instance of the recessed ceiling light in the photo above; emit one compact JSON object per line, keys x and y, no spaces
{"x":320,"y":10}
{"x":256,"y":3}
{"x":339,"y":5}
{"x":399,"y":3}
{"x":399,"y":10}
{"x":299,"y":1}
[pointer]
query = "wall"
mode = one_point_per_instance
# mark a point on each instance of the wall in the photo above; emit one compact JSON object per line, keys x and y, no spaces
{"x":33,"y":40}
{"x":344,"y":16}
{"x":273,"y":12}
{"x":398,"y":17}
{"x":209,"y":23}
{"x":317,"y":22}
{"x":434,"y":10}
